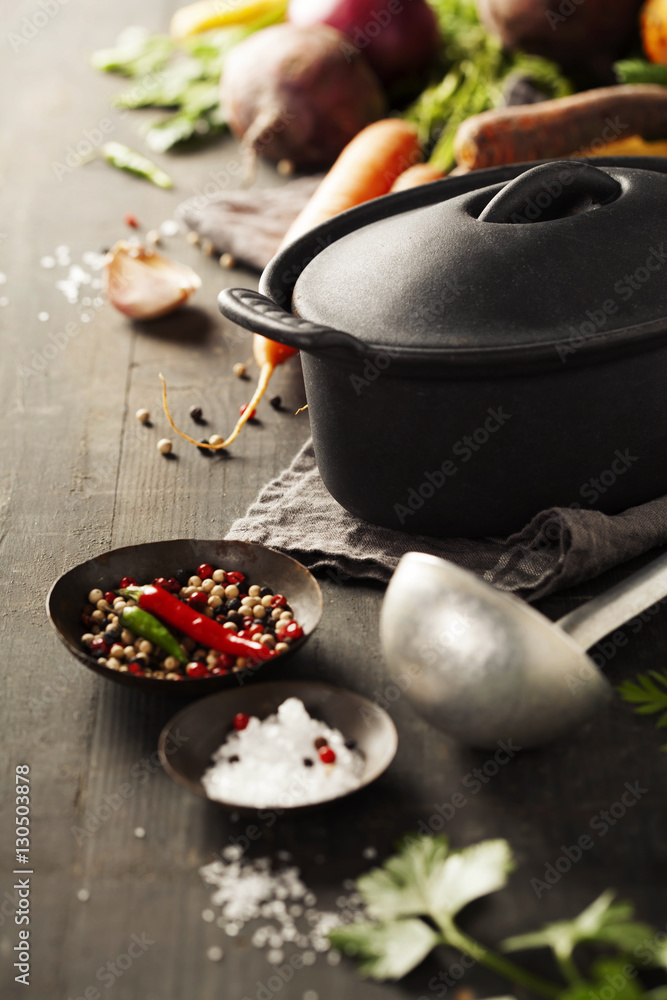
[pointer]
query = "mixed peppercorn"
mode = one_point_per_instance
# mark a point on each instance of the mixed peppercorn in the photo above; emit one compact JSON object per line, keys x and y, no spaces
{"x":206,"y":624}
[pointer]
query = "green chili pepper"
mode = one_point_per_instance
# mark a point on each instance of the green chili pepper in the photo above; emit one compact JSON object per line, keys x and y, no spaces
{"x":121,"y":156}
{"x":148,"y":627}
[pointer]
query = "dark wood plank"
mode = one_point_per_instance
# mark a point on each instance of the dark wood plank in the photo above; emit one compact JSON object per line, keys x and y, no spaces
{"x":78,"y":475}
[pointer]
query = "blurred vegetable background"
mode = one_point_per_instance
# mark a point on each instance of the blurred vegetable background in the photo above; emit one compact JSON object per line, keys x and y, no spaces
{"x":436,"y":62}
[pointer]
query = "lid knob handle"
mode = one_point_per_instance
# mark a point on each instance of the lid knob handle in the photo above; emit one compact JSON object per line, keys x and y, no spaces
{"x":551,"y":191}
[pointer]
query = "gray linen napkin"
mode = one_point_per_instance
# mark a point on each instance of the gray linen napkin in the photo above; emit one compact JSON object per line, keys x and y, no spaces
{"x":560,"y":546}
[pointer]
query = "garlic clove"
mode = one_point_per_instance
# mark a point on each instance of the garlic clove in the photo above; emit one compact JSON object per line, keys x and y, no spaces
{"x":144,"y":284}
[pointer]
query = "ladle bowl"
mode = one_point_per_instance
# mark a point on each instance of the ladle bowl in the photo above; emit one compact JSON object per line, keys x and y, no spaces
{"x":484,"y":666}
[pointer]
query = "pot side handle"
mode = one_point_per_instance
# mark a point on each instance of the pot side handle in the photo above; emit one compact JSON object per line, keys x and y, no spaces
{"x":260,"y":314}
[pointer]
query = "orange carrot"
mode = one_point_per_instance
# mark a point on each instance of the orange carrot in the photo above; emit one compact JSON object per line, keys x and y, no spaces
{"x":366,"y":168}
{"x":421,"y":173}
{"x":562,"y":126}
{"x":653,"y":19}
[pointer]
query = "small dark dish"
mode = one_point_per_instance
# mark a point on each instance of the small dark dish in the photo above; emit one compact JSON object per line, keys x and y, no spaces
{"x":483,"y":347}
{"x":202,"y":727}
{"x":144,"y":562}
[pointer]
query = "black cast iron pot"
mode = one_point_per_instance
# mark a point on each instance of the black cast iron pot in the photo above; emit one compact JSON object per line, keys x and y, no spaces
{"x":483,"y":347}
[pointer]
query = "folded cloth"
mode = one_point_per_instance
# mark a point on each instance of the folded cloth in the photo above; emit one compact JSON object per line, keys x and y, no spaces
{"x":250,"y":224}
{"x":560,"y":546}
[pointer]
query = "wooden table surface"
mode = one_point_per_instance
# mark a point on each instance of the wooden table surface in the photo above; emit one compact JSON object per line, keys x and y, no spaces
{"x":79,"y":475}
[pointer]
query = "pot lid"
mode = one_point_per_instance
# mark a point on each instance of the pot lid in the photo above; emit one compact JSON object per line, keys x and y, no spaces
{"x":563,"y":253}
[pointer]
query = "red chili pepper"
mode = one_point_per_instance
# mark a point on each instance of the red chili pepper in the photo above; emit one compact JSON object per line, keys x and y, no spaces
{"x":204,"y":630}
{"x":130,"y":220}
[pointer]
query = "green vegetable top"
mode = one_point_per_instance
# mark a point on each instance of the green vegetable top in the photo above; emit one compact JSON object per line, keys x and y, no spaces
{"x":413,"y":899}
{"x":475,"y":72}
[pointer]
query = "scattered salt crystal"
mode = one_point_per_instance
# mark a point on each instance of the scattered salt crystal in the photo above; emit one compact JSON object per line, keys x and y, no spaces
{"x":208,"y":916}
{"x":269,"y":769}
{"x":48,"y":262}
{"x":3,"y":278}
{"x":369,"y":853}
{"x":139,"y":832}
{"x":232,"y":853}
{"x":310,"y":899}
{"x":169,"y":227}
{"x":310,"y":995}
{"x":333,"y":958}
{"x":94,"y":261}
{"x":83,"y":895}
{"x":349,"y":884}
{"x":70,"y":290}
{"x":78,"y":274}
{"x":98,"y":301}
{"x":215,"y":954}
{"x":42,"y":317}
{"x":85,"y":317}
{"x":284,"y":856}
{"x":247,"y":890}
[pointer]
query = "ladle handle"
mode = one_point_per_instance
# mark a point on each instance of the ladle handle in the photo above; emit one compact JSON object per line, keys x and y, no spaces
{"x":595,"y":619}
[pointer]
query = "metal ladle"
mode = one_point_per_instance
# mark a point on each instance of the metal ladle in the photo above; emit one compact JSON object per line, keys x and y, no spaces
{"x":484,"y":666}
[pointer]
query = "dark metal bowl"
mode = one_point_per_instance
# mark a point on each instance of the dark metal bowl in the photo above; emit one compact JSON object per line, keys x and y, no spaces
{"x":189,"y":740}
{"x":144,"y":562}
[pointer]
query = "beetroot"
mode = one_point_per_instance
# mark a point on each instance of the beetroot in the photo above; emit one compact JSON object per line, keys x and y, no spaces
{"x":586,"y":34}
{"x":299,"y":94}
{"x":400,"y":38}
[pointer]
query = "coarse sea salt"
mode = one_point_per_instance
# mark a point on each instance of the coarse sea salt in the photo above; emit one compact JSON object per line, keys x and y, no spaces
{"x":247,"y":891}
{"x":273,"y":762}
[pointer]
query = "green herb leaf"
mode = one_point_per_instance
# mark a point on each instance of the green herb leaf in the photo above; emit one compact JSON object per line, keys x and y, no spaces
{"x":121,"y":156}
{"x":136,"y":53}
{"x":603,"y":921}
{"x":606,"y":973}
{"x":425,"y":877}
{"x":640,"y":71}
{"x":475,"y":69}
{"x":387,"y":950}
{"x":648,"y":692}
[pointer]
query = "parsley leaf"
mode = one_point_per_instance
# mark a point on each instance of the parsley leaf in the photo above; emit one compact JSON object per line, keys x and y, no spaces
{"x":605,"y":973}
{"x":427,"y":878}
{"x":387,"y":950}
{"x":603,"y":921}
{"x":649,"y":694}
